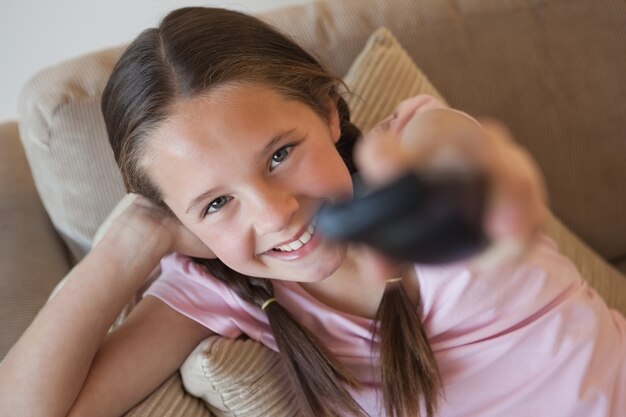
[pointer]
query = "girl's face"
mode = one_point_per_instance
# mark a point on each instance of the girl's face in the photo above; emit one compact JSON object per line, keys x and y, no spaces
{"x":246,"y":169}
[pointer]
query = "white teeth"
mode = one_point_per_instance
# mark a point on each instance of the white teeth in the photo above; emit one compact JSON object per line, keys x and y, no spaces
{"x":306,"y":236}
{"x":297,"y":244}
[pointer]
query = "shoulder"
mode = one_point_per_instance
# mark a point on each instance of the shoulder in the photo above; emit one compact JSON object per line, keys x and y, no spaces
{"x":192,"y":291}
{"x":182,"y":272}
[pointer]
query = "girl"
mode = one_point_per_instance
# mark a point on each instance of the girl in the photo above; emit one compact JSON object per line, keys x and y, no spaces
{"x":234,"y":137}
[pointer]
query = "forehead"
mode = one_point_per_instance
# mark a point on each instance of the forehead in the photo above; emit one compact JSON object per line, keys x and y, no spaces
{"x":224,"y":112}
{"x":222,"y":120}
{"x":210,"y":135}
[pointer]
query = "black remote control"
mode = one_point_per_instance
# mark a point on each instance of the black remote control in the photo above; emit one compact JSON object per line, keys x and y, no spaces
{"x":429,"y":218}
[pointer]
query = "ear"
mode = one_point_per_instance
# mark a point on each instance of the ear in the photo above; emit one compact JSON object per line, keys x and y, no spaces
{"x":333,"y":123}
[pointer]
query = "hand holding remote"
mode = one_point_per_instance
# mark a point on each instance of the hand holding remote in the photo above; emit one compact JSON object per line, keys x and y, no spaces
{"x":423,"y":218}
{"x":471,"y":177}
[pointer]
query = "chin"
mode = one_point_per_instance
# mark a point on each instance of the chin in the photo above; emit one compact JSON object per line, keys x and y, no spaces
{"x":324,"y":268}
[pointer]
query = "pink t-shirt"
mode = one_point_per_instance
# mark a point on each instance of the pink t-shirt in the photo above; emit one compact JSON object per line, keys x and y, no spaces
{"x":533,"y":340}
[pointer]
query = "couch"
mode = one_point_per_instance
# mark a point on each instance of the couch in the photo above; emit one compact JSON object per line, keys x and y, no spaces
{"x":551,"y":70}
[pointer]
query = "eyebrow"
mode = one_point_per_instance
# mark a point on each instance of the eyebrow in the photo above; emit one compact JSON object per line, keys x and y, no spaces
{"x":196,"y":201}
{"x":269,"y":146}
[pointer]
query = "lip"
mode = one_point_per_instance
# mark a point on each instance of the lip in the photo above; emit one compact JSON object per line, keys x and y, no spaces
{"x":298,"y":253}
{"x":296,"y":237}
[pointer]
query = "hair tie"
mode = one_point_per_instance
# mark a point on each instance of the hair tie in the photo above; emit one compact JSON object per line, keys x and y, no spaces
{"x":267,"y":302}
{"x":392,"y":280}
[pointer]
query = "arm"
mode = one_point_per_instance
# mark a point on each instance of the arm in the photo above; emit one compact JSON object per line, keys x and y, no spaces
{"x":516,"y":205}
{"x":133,"y":360}
{"x":44,"y":372}
{"x":440,"y":139}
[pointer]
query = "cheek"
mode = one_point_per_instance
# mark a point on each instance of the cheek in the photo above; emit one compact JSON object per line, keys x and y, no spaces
{"x":339,"y":186}
{"x":230,"y":245}
{"x":329,"y":177}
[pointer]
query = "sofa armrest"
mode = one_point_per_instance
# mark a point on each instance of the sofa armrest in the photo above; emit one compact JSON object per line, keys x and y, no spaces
{"x":32,"y":257}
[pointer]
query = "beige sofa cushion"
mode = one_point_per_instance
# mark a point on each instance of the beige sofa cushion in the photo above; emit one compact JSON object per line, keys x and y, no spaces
{"x":239,"y":378}
{"x":382,"y":76}
{"x":66,"y":143}
{"x":32,"y":257}
{"x":170,"y":400}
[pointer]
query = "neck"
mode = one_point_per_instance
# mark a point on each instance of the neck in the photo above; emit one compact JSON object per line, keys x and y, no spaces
{"x":358,"y":285}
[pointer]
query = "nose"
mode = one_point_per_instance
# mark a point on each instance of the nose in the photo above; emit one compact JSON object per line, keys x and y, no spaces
{"x":271,"y":208}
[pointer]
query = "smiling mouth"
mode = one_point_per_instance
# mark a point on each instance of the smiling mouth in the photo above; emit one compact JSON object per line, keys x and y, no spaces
{"x":296,"y":244}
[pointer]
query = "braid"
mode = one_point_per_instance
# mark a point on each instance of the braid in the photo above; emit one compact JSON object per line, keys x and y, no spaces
{"x":409,"y":374}
{"x":349,"y":135}
{"x":310,"y":366}
{"x":253,"y":290}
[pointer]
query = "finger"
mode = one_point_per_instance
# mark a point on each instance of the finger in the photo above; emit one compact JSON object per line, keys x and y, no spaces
{"x":518,"y":200}
{"x":380,"y":158}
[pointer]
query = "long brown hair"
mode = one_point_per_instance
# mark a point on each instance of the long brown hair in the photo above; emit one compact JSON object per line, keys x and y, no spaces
{"x":193,"y":50}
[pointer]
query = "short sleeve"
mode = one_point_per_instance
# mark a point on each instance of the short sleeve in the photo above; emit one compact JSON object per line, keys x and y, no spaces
{"x":193,"y":292}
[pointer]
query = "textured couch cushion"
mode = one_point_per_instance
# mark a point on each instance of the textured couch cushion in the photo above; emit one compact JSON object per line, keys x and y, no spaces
{"x":32,"y":257}
{"x":239,"y":378}
{"x":170,"y":400}
{"x":67,"y":147}
{"x":382,"y":76}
